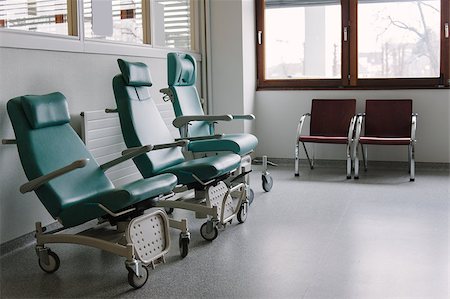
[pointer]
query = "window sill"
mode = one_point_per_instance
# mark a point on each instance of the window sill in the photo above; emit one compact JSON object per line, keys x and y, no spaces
{"x":52,"y":42}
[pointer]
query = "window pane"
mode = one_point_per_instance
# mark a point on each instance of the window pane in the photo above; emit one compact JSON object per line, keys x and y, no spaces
{"x":49,"y":16}
{"x":172,"y":23}
{"x":117,"y":20}
{"x":302,"y":41}
{"x":398,"y":39}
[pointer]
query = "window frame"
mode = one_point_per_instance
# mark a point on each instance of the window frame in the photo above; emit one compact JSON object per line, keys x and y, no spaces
{"x":349,"y":58}
{"x":22,"y":39}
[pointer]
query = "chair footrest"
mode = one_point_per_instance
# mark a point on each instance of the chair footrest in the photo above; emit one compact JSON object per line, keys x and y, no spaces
{"x":149,"y":235}
{"x":220,"y":197}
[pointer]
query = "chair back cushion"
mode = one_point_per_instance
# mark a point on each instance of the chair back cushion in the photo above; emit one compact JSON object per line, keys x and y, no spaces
{"x":331,"y":118}
{"x":47,"y":142}
{"x":142,"y":124}
{"x":388,"y":118}
{"x":181,"y":77}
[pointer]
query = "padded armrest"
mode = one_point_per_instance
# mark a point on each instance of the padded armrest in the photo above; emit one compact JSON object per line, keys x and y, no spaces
{"x":127,"y":156}
{"x":37,"y":182}
{"x":183,"y":120}
{"x":244,"y":116}
{"x":216,"y":136}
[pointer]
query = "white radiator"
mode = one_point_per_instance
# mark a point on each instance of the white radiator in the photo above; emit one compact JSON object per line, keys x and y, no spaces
{"x":103,"y":137}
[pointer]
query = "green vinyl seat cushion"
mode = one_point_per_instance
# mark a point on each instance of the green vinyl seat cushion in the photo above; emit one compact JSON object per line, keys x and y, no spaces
{"x":46,"y":142}
{"x":240,"y":144}
{"x":205,"y":168}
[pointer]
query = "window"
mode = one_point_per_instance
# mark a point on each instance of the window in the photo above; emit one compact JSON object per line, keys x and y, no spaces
{"x":305,"y":48}
{"x":46,"y":16}
{"x":398,"y":39}
{"x":352,"y":43}
{"x":127,"y":21}
{"x":173,"y":26}
{"x":160,"y":23}
{"x":117,"y":20}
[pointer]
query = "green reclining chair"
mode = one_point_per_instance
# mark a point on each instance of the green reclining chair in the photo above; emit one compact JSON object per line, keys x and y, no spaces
{"x":142,"y":124}
{"x":191,"y":121}
{"x":74,"y":189}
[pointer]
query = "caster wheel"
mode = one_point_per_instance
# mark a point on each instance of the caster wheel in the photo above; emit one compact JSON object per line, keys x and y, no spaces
{"x":208,"y":236}
{"x":169,"y":211}
{"x":243,"y":212}
{"x":250,"y":196}
{"x":136,"y":281}
{"x":267,"y":182}
{"x":183,"y":244}
{"x":53,"y":263}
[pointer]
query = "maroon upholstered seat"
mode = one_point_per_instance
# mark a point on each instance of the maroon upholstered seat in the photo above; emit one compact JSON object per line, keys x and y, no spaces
{"x":332,"y":121}
{"x":387,"y":122}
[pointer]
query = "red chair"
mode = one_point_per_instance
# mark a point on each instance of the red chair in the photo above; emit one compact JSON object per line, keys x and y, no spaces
{"x":386,"y":122}
{"x":332,"y":121}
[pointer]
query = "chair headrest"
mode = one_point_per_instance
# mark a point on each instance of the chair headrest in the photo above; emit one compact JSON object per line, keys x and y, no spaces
{"x":135,"y":73}
{"x":181,"y":69}
{"x":46,"y":110}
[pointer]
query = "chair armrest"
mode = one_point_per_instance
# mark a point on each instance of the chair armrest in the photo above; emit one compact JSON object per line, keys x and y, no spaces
{"x":179,"y":143}
{"x":9,"y":141}
{"x":37,"y":182}
{"x":300,"y":125}
{"x":183,"y":120}
{"x":216,"y":136}
{"x":413,"y":126}
{"x":243,"y":116}
{"x":127,"y":156}
{"x":351,"y":129}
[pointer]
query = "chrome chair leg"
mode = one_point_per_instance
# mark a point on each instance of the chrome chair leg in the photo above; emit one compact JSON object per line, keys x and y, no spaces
{"x":356,"y":166}
{"x":297,"y":173}
{"x":364,"y":155}
{"x":412,"y":165}
{"x":307,"y":156}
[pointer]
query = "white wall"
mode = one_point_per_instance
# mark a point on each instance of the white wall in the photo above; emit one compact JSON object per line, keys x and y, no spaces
{"x":232,"y":61}
{"x":278,"y":113}
{"x":85,"y":80}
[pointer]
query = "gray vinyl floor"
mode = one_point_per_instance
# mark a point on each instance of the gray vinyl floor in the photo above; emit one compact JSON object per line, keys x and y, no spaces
{"x":317,"y":236}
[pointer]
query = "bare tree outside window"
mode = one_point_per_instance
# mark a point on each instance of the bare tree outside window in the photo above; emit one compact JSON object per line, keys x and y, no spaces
{"x":399,"y":39}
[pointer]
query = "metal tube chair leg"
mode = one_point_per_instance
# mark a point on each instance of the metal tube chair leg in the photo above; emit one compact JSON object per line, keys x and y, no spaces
{"x":356,"y":162}
{"x":307,"y":156}
{"x":349,"y":162}
{"x":297,"y":148}
{"x":412,"y":166}
{"x":364,"y":155}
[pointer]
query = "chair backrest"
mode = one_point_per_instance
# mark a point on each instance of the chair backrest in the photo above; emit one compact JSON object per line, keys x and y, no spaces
{"x":47,"y":142}
{"x":181,"y":78}
{"x":388,"y":118}
{"x":331,"y":118}
{"x":140,"y":119}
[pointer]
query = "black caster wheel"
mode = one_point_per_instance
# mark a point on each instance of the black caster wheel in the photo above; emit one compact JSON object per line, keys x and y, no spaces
{"x":242,"y":213}
{"x":267,"y":182}
{"x":208,"y":236}
{"x":169,"y":211}
{"x":183,"y":244}
{"x":138,"y":281}
{"x":250,"y":196}
{"x":53,"y":263}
